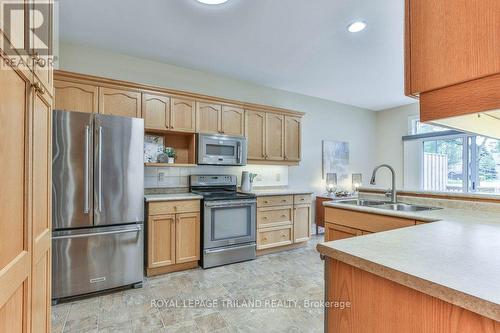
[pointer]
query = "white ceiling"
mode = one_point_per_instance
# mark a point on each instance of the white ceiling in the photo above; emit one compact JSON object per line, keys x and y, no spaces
{"x":296,"y":45}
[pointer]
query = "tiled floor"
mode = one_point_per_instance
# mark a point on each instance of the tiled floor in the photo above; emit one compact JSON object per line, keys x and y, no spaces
{"x":295,"y":275}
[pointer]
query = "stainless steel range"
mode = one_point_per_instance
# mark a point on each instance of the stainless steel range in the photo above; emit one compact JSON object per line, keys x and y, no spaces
{"x":229,"y":220}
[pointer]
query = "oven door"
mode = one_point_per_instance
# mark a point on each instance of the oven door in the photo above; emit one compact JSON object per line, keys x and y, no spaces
{"x":229,"y":223}
{"x":221,"y":150}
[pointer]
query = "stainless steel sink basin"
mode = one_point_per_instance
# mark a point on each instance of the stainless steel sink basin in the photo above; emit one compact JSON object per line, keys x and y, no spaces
{"x":402,"y":207}
{"x":363,"y":202}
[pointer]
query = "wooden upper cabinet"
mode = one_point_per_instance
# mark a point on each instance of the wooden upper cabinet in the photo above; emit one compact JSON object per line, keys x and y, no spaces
{"x":42,"y":41}
{"x":256,"y":133}
{"x":232,"y":120}
{"x":208,"y":118}
{"x":292,"y":138}
{"x":183,"y":115}
{"x":187,"y":237}
{"x":119,"y":102}
{"x":275,"y":129}
{"x":71,"y":96}
{"x":161,"y":240}
{"x":449,"y":42}
{"x":156,"y":111}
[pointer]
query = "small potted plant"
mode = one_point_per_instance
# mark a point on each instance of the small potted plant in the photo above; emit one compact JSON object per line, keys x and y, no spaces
{"x":170,"y":152}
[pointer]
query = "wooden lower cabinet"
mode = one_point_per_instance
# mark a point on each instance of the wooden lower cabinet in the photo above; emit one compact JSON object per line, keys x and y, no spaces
{"x":173,"y":236}
{"x":161,"y":240}
{"x":344,"y":223}
{"x":301,"y":223}
{"x":187,"y":247}
{"x":377,"y":304}
{"x":281,"y":222}
{"x":336,"y":232}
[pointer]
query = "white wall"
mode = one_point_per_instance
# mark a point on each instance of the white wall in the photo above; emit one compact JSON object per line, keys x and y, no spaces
{"x":324,"y":120}
{"x":392,"y":125}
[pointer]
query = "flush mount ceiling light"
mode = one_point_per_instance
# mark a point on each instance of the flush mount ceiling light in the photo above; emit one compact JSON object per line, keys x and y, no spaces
{"x":355,"y":26}
{"x":212,"y":2}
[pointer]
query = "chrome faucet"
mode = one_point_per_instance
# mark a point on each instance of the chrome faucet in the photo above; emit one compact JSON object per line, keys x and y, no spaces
{"x":392,"y":191}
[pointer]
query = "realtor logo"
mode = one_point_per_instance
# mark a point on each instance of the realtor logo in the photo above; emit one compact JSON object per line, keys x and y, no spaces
{"x":27,"y":28}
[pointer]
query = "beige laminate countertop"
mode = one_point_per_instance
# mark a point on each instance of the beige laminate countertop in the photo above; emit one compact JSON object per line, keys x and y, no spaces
{"x":271,"y":192}
{"x":455,"y":259}
{"x":172,"y":197}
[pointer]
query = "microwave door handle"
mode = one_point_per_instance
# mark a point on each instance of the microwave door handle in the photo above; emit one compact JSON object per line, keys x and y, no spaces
{"x":238,"y":149}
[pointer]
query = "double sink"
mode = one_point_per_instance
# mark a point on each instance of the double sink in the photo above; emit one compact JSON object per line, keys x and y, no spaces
{"x":402,"y":207}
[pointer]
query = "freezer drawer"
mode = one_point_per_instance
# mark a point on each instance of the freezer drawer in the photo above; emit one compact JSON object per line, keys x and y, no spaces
{"x":90,"y":260}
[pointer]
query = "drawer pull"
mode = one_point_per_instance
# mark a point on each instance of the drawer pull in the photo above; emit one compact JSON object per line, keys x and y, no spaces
{"x":284,"y":200}
{"x":264,"y":238}
{"x":283,"y":236}
{"x":302,"y":199}
{"x":283,"y":215}
{"x":265,"y":217}
{"x":266,"y":202}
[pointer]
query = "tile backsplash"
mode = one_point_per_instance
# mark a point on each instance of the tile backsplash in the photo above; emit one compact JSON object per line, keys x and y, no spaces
{"x":170,"y":177}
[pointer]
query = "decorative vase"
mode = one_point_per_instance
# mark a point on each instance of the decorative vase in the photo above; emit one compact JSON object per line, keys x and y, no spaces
{"x":170,"y":160}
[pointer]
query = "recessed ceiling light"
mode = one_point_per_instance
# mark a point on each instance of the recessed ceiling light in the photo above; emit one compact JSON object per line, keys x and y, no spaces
{"x":212,"y":2}
{"x":356,"y":26}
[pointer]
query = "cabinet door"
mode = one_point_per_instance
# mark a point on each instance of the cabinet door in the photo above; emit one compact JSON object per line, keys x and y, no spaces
{"x":232,"y":120}
{"x":449,"y":42}
{"x":71,"y":96}
{"x":256,"y":132}
{"x":187,"y":237}
{"x":183,"y":115}
{"x":119,"y":102}
{"x":301,"y":223}
{"x":15,"y":240}
{"x":41,"y":212}
{"x":156,"y":111}
{"x":336,"y":232}
{"x":292,"y":138}
{"x":208,"y":118}
{"x":161,"y":240}
{"x":41,"y":17}
{"x":275,"y":130}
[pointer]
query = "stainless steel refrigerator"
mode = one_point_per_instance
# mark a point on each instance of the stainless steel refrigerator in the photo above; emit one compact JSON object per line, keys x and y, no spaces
{"x":98,"y":203}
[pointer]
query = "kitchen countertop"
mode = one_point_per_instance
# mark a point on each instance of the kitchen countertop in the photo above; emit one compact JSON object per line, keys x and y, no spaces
{"x":454,"y":259}
{"x":172,"y":197}
{"x":286,"y":191}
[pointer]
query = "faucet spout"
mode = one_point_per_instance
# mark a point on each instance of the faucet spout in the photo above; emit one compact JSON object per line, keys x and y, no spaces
{"x":393,"y":186}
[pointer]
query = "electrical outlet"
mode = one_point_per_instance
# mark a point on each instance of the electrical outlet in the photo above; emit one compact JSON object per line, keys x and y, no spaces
{"x":161,"y":176}
{"x":278,"y":177}
{"x":258,"y":178}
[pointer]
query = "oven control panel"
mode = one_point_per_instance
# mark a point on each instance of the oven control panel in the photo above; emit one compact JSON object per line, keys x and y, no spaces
{"x":213,"y":180}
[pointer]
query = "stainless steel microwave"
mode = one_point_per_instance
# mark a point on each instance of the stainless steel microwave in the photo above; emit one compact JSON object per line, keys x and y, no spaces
{"x":214,"y":149}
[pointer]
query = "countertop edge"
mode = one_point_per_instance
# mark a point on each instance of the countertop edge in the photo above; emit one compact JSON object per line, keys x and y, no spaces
{"x":449,"y":295}
{"x":173,"y":198}
{"x":277,"y":192}
{"x":378,"y":211}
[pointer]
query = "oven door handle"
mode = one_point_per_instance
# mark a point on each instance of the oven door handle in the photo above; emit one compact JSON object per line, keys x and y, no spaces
{"x":209,"y":251}
{"x":235,"y":204}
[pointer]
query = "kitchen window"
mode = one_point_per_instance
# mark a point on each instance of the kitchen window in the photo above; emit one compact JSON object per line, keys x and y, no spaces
{"x":441,"y":160}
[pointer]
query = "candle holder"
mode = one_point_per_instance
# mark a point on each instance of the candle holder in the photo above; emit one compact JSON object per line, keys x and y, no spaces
{"x":331,"y":183}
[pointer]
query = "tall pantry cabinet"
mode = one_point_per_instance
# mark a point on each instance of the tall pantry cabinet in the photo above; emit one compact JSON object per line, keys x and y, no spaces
{"x":25,"y":175}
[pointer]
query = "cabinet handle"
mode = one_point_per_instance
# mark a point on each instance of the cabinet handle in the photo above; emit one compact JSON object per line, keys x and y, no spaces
{"x":265,"y":217}
{"x":266,"y":202}
{"x":265,"y":238}
{"x":284,"y":200}
{"x":39,"y":61}
{"x":283,"y":215}
{"x":39,"y":88}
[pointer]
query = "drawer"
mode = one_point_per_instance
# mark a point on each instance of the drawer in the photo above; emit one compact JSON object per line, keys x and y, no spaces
{"x":174,"y":207}
{"x":299,"y":199}
{"x":365,"y":221}
{"x":274,"y":216}
{"x":277,"y":200}
{"x":273,"y":237}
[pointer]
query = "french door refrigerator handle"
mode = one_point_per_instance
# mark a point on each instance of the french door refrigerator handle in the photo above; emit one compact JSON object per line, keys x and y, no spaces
{"x":101,"y":233}
{"x":99,"y":178}
{"x":86,"y":208}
